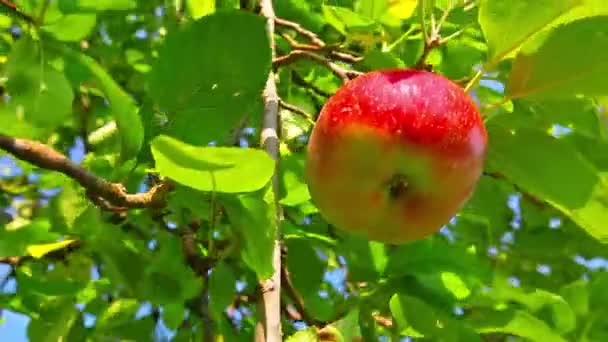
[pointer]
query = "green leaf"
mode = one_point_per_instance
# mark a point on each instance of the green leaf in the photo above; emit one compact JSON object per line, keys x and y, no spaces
{"x":204,"y":81}
{"x":57,"y":319}
{"x":541,"y":71}
{"x":40,"y":93}
{"x":118,"y":321}
{"x":293,"y":184}
{"x":577,"y":295}
{"x":183,"y":198}
{"x":14,"y":242}
{"x":537,"y":162}
{"x":366,"y":259}
{"x":419,"y":318}
{"x":169,"y":279}
{"x":212,"y":168}
{"x":119,"y":312}
{"x":562,"y":314}
{"x":306,"y":269}
{"x":345,"y":20}
{"x":589,"y":8}
{"x":563,"y":317}
{"x":521,"y":18}
{"x":348,"y":326}
{"x":388,"y":12}
{"x":377,"y":59}
{"x":124,"y":265}
{"x":71,"y":203}
{"x":40,"y":284}
{"x":433,"y":256}
{"x":71,"y":27}
{"x":173,"y":315}
{"x":254,"y":216}
{"x":221,"y":289}
{"x":200,"y":8}
{"x":133,"y":330}
{"x":515,"y":322}
{"x":455,"y":285}
{"x":124,"y":108}
{"x":70,"y":6}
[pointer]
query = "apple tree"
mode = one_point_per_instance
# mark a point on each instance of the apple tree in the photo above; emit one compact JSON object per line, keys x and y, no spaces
{"x":156,"y":183}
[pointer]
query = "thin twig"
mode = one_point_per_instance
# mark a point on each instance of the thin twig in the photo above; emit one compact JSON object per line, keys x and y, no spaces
{"x":300,"y":30}
{"x":343,"y":73}
{"x":116,"y":194}
{"x":297,"y":110}
{"x":328,"y":50}
{"x":428,"y":47}
{"x":268,"y":326}
{"x":453,"y":35}
{"x":12,"y":8}
{"x":444,"y":17}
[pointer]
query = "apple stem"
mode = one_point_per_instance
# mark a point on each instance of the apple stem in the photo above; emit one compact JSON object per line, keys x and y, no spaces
{"x":397,"y":186}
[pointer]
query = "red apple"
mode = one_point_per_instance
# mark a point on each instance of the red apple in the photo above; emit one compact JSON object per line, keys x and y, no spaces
{"x":395,"y":154}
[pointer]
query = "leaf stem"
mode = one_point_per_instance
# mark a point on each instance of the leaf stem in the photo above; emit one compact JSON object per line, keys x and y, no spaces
{"x":422,"y":18}
{"x":473,"y":82}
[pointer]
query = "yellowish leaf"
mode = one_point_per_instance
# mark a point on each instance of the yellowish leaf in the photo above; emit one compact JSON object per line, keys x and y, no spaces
{"x":38,"y":251}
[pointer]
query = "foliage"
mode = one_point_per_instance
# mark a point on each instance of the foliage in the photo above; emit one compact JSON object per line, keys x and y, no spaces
{"x":144,"y":92}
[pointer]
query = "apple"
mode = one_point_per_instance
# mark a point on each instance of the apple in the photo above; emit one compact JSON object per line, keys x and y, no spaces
{"x":395,"y":154}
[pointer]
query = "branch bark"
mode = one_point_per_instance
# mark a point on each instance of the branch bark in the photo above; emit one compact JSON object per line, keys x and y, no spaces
{"x":115,"y":194}
{"x":268,"y":326}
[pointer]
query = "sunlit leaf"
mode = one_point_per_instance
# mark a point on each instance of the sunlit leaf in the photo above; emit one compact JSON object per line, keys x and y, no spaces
{"x":40,"y":250}
{"x":521,"y":18}
{"x":199,"y":8}
{"x":515,"y":322}
{"x":212,"y":168}
{"x":544,"y":67}
{"x":537,"y":162}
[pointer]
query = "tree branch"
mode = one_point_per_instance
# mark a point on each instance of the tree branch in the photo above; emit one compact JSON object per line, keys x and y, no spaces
{"x":115,"y":194}
{"x":268,"y":326}
{"x":330,"y":50}
{"x":343,"y":73}
{"x":297,"y":110}
{"x":12,"y":9}
{"x":300,"y":30}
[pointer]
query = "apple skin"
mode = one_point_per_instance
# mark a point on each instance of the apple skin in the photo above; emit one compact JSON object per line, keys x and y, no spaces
{"x":395,"y":154}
